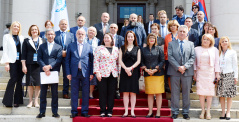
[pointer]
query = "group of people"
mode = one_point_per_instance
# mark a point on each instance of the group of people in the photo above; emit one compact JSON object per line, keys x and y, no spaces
{"x":170,"y":53}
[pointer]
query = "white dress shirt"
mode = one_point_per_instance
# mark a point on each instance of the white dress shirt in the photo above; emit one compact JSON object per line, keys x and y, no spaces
{"x":80,"y":47}
{"x":230,"y":59}
{"x":50,"y":46}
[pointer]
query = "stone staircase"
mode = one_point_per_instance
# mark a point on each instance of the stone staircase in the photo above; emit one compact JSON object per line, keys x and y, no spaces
{"x":25,"y":114}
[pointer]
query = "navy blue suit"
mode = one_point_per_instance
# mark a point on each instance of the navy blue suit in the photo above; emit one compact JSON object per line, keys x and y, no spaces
{"x":69,"y":38}
{"x":74,"y":29}
{"x":119,"y":41}
{"x":79,"y":76}
{"x":193,"y":36}
{"x":42,"y":35}
{"x":139,"y":32}
{"x":54,"y":59}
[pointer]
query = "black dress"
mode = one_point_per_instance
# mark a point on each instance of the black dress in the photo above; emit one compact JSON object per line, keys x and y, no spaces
{"x":129,"y":83}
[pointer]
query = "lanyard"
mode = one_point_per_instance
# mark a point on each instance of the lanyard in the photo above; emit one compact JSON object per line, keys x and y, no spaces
{"x":173,"y":38}
{"x":36,"y":43}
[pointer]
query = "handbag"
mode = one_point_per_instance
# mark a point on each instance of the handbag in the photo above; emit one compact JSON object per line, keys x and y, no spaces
{"x":24,"y":80}
{"x":141,"y":81}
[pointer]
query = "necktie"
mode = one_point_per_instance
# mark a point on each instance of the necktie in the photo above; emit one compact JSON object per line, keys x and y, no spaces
{"x":104,"y":29}
{"x":62,"y":39}
{"x":163,"y":34}
{"x":79,"y":50}
{"x":181,"y":46}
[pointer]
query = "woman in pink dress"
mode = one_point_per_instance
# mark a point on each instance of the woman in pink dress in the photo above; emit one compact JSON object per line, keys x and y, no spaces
{"x":206,"y":69}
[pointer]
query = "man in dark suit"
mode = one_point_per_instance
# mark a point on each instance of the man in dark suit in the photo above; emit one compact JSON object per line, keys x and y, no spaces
{"x":64,"y":38}
{"x":192,"y":33}
{"x":103,"y":27}
{"x":79,"y":69}
{"x":136,"y":28}
{"x":80,"y":24}
{"x":118,"y":40}
{"x":181,"y":57}
{"x":148,"y":24}
{"x":199,"y":24}
{"x":49,"y":58}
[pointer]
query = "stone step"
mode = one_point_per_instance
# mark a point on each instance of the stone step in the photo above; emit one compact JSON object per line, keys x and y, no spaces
{"x":60,"y":93}
{"x":6,"y":79}
{"x":61,"y":102}
{"x":66,"y":111}
{"x":32,"y":118}
{"x":4,"y":85}
{"x":194,"y":96}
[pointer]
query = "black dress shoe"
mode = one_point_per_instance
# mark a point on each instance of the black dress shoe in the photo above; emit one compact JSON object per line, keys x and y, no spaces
{"x":123,"y":116}
{"x":185,"y":116}
{"x":174,"y":116}
{"x":66,"y":96}
{"x":223,"y":117}
{"x":56,"y":115}
{"x":133,"y":116}
{"x":40,"y":115}
{"x":157,"y":116}
{"x":102,"y":115}
{"x":148,"y":116}
{"x":109,"y":115}
{"x":73,"y":115}
{"x":85,"y":115}
{"x":117,"y":96}
{"x":16,"y":105}
{"x":8,"y":106}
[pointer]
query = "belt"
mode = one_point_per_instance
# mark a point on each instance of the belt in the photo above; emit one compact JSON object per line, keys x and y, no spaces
{"x":79,"y":69}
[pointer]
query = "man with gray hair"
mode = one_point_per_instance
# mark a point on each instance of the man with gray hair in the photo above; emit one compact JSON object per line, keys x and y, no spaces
{"x":79,"y":69}
{"x":118,"y":40}
{"x":181,"y":58}
{"x":80,"y":24}
{"x":49,"y":57}
{"x":136,"y":28}
{"x":64,"y":38}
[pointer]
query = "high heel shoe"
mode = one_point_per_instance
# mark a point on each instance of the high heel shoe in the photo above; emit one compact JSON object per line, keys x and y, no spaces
{"x":123,"y":116}
{"x":227,"y":118}
{"x":208,"y":116}
{"x":223,"y":117}
{"x":37,"y":105}
{"x":30,"y":104}
{"x":202,"y":114}
{"x":148,"y":116}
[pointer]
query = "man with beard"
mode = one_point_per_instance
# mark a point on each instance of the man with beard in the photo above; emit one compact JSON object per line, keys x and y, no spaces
{"x":136,"y":28}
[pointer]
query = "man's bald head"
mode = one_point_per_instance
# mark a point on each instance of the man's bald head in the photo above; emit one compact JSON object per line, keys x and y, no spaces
{"x":133,"y":17}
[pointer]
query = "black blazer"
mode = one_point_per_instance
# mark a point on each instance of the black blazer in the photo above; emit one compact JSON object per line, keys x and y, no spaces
{"x":146,"y":27}
{"x":28,"y":50}
{"x":153,"y":58}
{"x":54,"y":59}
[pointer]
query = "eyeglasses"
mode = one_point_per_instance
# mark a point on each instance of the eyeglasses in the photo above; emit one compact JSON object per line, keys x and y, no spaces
{"x":194,"y":7}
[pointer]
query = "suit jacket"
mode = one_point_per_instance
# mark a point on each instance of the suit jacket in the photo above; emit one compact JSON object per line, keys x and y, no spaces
{"x":195,"y":26}
{"x":119,"y":41}
{"x":139,"y":32}
{"x":73,"y":58}
{"x":74,"y":29}
{"x":54,"y":59}
{"x":95,"y":43}
{"x":214,"y":58}
{"x":106,"y":62}
{"x":28,"y":50}
{"x":9,"y":52}
{"x":100,"y":34}
{"x":176,"y":58}
{"x":193,"y":36}
{"x":69,"y":39}
{"x":146,"y":27}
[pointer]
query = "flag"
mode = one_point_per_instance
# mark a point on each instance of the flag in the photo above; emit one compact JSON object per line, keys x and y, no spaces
{"x":59,"y":11}
{"x":202,"y":7}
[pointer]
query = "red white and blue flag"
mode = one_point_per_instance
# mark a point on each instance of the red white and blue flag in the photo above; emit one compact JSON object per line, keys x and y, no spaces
{"x":202,"y":7}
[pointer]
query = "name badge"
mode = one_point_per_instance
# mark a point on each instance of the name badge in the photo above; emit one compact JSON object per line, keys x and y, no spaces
{"x":18,"y":55}
{"x":35,"y":57}
{"x":223,"y":63}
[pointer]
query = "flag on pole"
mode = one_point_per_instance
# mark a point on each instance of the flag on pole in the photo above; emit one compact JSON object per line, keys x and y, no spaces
{"x":202,"y":7}
{"x":59,"y":11}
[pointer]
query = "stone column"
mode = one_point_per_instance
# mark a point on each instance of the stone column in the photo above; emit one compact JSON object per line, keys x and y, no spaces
{"x":151,"y":9}
{"x":28,"y":12}
{"x":81,"y":6}
{"x":111,"y":11}
{"x":225,"y":16}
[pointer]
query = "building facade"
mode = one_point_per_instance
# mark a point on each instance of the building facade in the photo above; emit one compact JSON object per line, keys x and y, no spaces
{"x":29,"y":12}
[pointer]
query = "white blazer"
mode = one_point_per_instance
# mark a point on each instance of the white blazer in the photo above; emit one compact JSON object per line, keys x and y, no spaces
{"x":9,"y":49}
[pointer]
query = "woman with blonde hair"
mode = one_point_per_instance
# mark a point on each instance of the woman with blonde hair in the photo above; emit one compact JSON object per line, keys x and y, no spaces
{"x":12,"y":44}
{"x":206,"y":69}
{"x":227,"y":85}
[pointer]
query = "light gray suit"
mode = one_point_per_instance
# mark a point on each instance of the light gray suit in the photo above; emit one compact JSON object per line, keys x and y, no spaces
{"x":176,"y":59}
